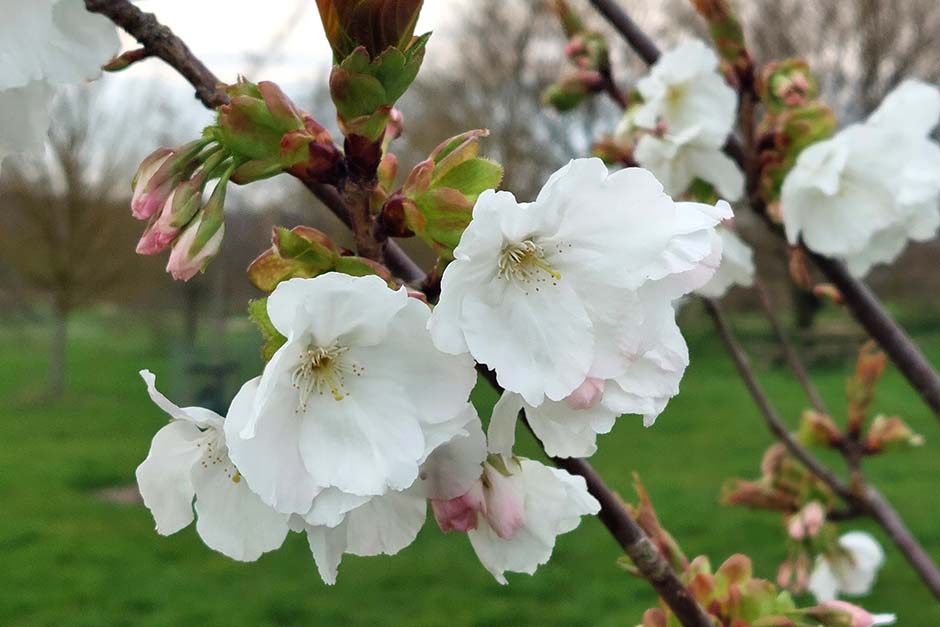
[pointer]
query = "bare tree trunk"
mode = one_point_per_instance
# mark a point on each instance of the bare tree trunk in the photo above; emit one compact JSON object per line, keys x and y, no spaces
{"x":58,"y":353}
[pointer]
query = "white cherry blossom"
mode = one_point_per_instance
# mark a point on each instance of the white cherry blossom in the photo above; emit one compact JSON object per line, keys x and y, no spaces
{"x":548,"y":293}
{"x":44,"y":44}
{"x":851,"y":570}
{"x":366,"y":526}
{"x":737,"y":266}
{"x":678,"y":159}
{"x":684,"y":90}
{"x":527,"y":505}
{"x":189,"y":460}
{"x":355,"y":400}
{"x":861,"y":195}
{"x":688,"y":111}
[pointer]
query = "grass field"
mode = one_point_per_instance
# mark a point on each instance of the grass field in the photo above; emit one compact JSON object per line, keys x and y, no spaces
{"x":70,"y":557}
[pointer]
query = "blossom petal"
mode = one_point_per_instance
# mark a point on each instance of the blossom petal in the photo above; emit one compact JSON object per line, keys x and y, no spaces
{"x":165,"y":477}
{"x":453,"y":468}
{"x":336,"y":308}
{"x":270,"y":461}
{"x":232,"y":519}
{"x":327,"y":544}
{"x":367,"y":443}
{"x":538,"y":342}
{"x":554,"y":504}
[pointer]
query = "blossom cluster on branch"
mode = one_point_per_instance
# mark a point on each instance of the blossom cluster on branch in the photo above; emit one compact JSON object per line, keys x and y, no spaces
{"x":361,"y":419}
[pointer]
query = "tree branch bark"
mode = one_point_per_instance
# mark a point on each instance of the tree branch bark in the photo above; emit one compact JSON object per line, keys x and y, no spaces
{"x":863,"y":497}
{"x":160,"y":41}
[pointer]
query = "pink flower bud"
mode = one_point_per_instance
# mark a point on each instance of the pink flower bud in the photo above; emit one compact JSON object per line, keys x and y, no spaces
{"x":504,"y":502}
{"x":201,"y":240}
{"x":149,"y":193}
{"x":461,"y":513}
{"x":586,"y":394}
{"x":188,"y":257}
{"x":859,"y":617}
{"x":395,"y":125}
{"x":808,"y":522}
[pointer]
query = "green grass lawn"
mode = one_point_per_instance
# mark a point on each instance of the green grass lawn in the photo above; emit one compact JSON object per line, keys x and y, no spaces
{"x":69,"y":557}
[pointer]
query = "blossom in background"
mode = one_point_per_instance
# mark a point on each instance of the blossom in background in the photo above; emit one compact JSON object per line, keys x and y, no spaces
{"x":677,"y":160}
{"x":551,"y":293}
{"x":861,"y":195}
{"x":688,"y":111}
{"x":355,"y":400}
{"x":189,"y":460}
{"x":45,"y":44}
{"x":737,"y":266}
{"x":850,"y":569}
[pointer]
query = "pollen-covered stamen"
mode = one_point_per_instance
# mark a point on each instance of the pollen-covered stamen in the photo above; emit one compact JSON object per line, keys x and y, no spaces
{"x":321,"y":370}
{"x":525,"y":262}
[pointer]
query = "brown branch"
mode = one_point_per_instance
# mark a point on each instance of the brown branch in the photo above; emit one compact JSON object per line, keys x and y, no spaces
{"x":160,"y":41}
{"x":858,"y":298}
{"x":860,"y":497}
{"x":792,"y":357}
{"x":629,"y":535}
{"x":397,"y":260}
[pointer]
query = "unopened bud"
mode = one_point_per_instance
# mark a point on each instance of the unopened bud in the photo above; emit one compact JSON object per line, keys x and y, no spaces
{"x":818,"y":429}
{"x":586,"y":394}
{"x":201,"y":240}
{"x":461,"y":513}
{"x":843,"y":614}
{"x":890,"y":433}
{"x":808,"y":522}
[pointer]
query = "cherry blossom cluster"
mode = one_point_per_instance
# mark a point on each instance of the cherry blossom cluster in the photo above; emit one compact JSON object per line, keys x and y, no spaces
{"x":861,"y":195}
{"x":361,"y":417}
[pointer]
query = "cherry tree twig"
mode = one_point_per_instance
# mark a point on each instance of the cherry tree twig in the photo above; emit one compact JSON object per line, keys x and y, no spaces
{"x":860,"y":497}
{"x":789,"y":351}
{"x":625,"y":530}
{"x":858,"y":298}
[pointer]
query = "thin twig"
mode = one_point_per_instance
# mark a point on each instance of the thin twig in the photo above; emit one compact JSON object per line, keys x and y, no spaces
{"x":863,"y":497}
{"x":160,"y":41}
{"x":773,"y":420}
{"x":792,"y":357}
{"x":865,"y":307}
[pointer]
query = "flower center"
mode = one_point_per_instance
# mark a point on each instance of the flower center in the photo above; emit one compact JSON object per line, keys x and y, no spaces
{"x":525,"y":262}
{"x":321,"y":370}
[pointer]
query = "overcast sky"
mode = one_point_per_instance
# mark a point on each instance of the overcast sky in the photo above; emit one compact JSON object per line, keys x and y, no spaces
{"x":230,"y":36}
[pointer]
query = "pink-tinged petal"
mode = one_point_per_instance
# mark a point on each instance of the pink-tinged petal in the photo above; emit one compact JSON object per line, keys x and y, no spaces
{"x":462,"y":513}
{"x":505,"y":502}
{"x":586,"y":394}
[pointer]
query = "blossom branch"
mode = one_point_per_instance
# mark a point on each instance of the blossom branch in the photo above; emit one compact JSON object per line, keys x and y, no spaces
{"x":861,"y":302}
{"x":159,"y":41}
{"x":860,"y":497}
{"x":629,"y":535}
{"x":789,"y":351}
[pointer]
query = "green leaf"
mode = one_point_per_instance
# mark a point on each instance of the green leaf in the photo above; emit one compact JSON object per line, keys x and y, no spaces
{"x":356,"y":94}
{"x":472,"y":177}
{"x":273,"y":340}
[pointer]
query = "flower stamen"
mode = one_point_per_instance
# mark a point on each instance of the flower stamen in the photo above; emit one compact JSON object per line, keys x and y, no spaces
{"x":522,"y":262}
{"x":321,"y":369}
